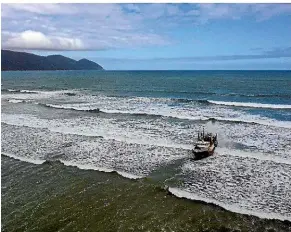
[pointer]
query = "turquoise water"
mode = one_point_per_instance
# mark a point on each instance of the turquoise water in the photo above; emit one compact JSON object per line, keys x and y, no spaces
{"x":143,"y":124}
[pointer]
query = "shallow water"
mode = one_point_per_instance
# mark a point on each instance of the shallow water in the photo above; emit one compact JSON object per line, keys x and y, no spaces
{"x":54,"y":197}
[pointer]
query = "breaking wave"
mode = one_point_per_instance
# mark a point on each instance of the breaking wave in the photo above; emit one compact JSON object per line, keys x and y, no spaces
{"x":74,"y":93}
{"x":86,"y":108}
{"x":18,"y":101}
{"x":94,"y":110}
{"x":9,"y":90}
{"x":69,"y":163}
{"x":231,"y":207}
{"x":165,"y":91}
{"x":250,"y":104}
{"x":19,"y":91}
{"x":100,"y":169}
{"x":24,"y":159}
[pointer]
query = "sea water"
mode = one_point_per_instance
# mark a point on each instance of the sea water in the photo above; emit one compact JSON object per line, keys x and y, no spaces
{"x":139,"y":122}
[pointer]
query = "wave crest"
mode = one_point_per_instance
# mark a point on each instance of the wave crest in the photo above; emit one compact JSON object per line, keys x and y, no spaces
{"x":250,"y":104}
{"x":231,"y":207}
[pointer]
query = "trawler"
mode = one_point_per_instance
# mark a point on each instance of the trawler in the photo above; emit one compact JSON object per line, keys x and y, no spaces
{"x":205,"y":145}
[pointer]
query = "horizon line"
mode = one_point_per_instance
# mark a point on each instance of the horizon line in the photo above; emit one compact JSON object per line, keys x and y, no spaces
{"x":148,"y":70}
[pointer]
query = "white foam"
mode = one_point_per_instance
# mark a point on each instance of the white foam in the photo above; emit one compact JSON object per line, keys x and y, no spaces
{"x":254,"y":155}
{"x":121,"y":137}
{"x":101,"y":169}
{"x":231,"y":207}
{"x":161,"y":112}
{"x":258,"y":120}
{"x":15,"y":101}
{"x":24,"y":159}
{"x":160,"y":132}
{"x":240,"y":184}
{"x":36,"y":95}
{"x":28,"y":91}
{"x":86,"y":166}
{"x":251,"y":104}
{"x":160,"y":107}
{"x":72,"y":107}
{"x":164,"y":113}
{"x":106,"y":128}
{"x":59,"y":106}
{"x":153,"y":106}
{"x":261,"y":140}
{"x":130,"y":159}
{"x":73,"y":164}
{"x":129,"y":175}
{"x":187,"y":114}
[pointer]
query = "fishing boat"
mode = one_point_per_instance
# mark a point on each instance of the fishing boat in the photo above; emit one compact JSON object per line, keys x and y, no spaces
{"x":205,"y":145}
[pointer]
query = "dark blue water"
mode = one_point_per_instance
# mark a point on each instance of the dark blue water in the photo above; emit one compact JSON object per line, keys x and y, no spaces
{"x":235,"y":85}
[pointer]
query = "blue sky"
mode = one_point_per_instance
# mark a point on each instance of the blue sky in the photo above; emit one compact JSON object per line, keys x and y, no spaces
{"x":154,"y":36}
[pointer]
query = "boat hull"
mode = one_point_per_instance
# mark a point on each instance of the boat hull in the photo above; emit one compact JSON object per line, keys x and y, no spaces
{"x":202,"y":154}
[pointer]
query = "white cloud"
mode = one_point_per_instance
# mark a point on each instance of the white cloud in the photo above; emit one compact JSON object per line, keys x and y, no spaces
{"x":34,"y":40}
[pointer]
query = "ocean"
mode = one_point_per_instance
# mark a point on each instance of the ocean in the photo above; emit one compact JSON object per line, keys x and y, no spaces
{"x":126,"y":136}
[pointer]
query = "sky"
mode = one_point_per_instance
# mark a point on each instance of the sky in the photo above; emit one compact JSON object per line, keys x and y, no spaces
{"x":154,"y":36}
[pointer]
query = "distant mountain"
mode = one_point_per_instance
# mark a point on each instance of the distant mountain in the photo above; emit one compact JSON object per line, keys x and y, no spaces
{"x":26,"y":61}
